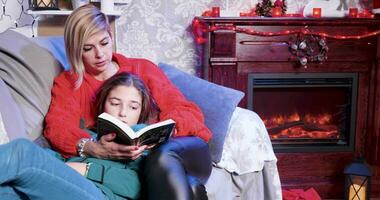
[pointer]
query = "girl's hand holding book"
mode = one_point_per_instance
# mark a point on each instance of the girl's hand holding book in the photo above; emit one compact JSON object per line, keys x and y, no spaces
{"x":106,"y":148}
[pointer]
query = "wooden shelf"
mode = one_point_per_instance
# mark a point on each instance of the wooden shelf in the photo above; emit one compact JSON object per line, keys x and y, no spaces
{"x":66,"y":12}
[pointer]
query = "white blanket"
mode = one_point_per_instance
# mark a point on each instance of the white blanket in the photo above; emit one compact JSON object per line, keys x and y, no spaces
{"x":247,"y":146}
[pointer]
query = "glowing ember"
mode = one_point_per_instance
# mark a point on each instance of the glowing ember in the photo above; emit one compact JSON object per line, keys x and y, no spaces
{"x":308,"y":126}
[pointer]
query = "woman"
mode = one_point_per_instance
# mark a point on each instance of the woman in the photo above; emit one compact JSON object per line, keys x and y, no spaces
{"x":88,"y":40}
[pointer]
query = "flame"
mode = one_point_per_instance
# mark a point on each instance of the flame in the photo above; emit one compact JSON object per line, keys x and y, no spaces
{"x":298,"y":126}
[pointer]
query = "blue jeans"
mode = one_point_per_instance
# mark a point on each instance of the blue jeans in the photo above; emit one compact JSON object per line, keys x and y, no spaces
{"x":29,"y":172}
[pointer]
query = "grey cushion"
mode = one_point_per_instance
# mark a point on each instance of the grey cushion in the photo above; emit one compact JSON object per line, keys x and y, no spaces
{"x":13,"y":121}
{"x":28,"y":71}
{"x":217,"y":103}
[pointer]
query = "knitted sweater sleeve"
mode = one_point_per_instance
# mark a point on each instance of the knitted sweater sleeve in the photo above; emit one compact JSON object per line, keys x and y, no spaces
{"x":189,"y":118}
{"x":62,"y":120}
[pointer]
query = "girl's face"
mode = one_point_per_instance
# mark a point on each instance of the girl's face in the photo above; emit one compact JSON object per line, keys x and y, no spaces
{"x":125,"y":103}
{"x":97,"y":55}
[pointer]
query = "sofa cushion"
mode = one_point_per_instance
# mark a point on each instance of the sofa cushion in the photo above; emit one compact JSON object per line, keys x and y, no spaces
{"x":217,"y":103}
{"x":28,"y":71}
{"x":12,"y":124}
{"x":56,"y":46}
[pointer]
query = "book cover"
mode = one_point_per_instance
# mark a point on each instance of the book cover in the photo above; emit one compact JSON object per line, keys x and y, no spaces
{"x":151,"y":134}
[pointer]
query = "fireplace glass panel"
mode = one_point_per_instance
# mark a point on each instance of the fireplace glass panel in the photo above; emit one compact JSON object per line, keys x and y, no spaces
{"x":306,"y":111}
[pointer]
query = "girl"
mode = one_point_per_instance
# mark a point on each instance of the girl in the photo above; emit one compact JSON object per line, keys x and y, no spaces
{"x":125,"y":97}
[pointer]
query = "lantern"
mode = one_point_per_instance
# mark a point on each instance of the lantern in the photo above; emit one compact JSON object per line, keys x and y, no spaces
{"x":43,"y":4}
{"x":357,"y":180}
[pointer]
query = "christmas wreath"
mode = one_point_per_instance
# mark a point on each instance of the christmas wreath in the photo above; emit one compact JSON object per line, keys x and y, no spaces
{"x":308,"y":48}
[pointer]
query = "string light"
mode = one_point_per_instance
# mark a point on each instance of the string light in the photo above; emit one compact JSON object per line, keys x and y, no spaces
{"x":309,"y":46}
{"x":199,"y":28}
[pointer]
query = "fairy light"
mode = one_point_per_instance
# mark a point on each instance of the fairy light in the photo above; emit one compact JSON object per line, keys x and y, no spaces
{"x":199,"y":28}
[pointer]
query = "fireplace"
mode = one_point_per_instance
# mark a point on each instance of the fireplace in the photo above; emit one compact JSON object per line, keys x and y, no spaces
{"x":306,"y":112}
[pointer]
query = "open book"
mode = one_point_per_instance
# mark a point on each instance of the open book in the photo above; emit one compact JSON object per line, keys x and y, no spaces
{"x":151,"y":134}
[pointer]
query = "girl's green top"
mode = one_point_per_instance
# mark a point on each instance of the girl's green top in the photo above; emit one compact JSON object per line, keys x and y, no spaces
{"x":119,"y":180}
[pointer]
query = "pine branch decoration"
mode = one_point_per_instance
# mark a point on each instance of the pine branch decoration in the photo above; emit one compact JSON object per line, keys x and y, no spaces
{"x":265,"y":7}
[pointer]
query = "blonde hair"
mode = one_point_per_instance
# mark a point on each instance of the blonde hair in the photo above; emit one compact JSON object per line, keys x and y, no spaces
{"x":82,"y":23}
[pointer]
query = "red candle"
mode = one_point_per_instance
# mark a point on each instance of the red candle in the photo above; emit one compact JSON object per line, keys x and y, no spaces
{"x":317,"y":12}
{"x":276,"y":12}
{"x":353,"y":12}
{"x":215,"y":11}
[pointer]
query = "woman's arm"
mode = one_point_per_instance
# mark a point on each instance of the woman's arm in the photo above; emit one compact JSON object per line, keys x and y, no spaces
{"x":172,"y":103}
{"x":62,"y":127}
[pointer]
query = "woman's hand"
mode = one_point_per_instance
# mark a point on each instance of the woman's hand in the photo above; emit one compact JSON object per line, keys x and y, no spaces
{"x":106,"y":148}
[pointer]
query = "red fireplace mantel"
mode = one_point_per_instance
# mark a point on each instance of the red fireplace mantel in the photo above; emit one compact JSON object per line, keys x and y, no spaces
{"x":230,"y":56}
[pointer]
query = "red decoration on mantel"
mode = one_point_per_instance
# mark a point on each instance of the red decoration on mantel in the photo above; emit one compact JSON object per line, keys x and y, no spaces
{"x":317,"y":12}
{"x":215,"y":11}
{"x":251,"y":13}
{"x":366,"y":14}
{"x":276,"y":12}
{"x":198,"y":29}
{"x":353,"y":12}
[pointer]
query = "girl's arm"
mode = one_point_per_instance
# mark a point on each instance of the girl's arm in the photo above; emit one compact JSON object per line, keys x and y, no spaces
{"x":79,"y":167}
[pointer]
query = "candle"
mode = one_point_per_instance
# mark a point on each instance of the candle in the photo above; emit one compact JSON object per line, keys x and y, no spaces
{"x":353,"y":12}
{"x":355,"y":193}
{"x":317,"y":12}
{"x":276,"y":12}
{"x":215,"y":11}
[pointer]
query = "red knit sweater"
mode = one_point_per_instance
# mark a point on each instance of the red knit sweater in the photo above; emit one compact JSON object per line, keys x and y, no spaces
{"x":69,"y":105}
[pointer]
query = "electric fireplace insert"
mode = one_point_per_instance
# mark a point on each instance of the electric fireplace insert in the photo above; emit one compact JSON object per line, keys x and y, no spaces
{"x":306,"y":112}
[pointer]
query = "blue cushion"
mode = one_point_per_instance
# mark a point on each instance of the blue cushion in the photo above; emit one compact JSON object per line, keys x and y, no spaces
{"x":217,"y":103}
{"x":56,"y":46}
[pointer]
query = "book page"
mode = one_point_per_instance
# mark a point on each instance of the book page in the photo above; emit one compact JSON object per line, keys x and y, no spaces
{"x":120,"y":124}
{"x":152,"y":126}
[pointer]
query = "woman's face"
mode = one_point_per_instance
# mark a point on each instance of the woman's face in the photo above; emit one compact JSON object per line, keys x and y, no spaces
{"x":125,"y":103}
{"x":97,"y":54}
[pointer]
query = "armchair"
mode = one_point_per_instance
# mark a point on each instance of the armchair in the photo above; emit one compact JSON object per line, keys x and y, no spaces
{"x":244,"y":162}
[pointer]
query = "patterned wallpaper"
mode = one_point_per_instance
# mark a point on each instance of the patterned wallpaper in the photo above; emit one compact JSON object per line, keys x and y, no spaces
{"x":160,"y":30}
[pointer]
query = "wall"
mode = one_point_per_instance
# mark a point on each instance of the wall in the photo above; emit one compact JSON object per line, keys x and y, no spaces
{"x":154,"y":29}
{"x":14,"y":11}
